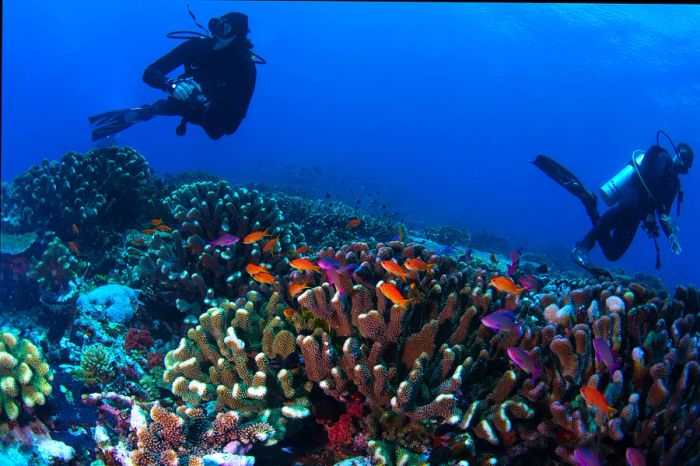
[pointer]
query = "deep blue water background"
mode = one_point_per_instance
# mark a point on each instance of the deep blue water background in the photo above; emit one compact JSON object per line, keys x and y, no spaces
{"x":439,"y":107}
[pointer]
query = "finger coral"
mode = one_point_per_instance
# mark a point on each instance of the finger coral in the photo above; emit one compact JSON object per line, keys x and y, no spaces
{"x":24,"y":375}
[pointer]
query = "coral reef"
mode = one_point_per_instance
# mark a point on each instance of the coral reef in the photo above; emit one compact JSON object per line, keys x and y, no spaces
{"x":110,"y":186}
{"x":14,"y":245}
{"x":236,"y":356}
{"x":25,"y":378}
{"x":57,"y":273}
{"x":324,"y":223}
{"x":447,"y":234}
{"x":115,"y":303}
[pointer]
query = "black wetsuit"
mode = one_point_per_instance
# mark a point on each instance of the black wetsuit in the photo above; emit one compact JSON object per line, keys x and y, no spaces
{"x":615,"y":229}
{"x":227,"y":78}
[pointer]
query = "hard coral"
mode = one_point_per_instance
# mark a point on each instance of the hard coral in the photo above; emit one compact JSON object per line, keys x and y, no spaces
{"x":24,"y":376}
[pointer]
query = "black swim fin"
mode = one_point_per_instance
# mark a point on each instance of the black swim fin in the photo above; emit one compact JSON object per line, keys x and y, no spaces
{"x":570,"y":182}
{"x":108,"y":123}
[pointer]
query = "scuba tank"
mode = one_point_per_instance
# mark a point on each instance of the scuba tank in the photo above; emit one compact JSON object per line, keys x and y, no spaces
{"x":621,"y":183}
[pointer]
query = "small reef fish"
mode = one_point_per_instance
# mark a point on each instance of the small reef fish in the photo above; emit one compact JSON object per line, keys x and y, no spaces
{"x":355,"y":222}
{"x":156,"y":221}
{"x":394,"y":295}
{"x":163,"y":227}
{"x":399,"y":236}
{"x":468,"y":255}
{"x":289,"y":312}
{"x":250,"y":238}
{"x":148,"y":231}
{"x":304,"y":264}
{"x":493,"y":259}
{"x":337,"y":274}
{"x":138,"y":241}
{"x":252,"y":269}
{"x":226,"y":239}
{"x":502,"y":320}
{"x":393,"y":267}
{"x":264,"y":277}
{"x":514,"y":261}
{"x":603,"y":353}
{"x":76,"y":230}
{"x":74,"y":247}
{"x":586,"y":457}
{"x":595,"y":398}
{"x":271,"y":245}
{"x":525,"y":361}
{"x":296,"y":288}
{"x":418,"y":265}
{"x":529,"y":283}
{"x":506,"y":285}
{"x":635,"y":457}
{"x":300,"y":250}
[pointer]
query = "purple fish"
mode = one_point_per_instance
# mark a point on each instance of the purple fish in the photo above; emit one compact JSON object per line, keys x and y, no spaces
{"x":586,"y":457}
{"x":635,"y":457}
{"x":529,"y":282}
{"x":468,"y":255}
{"x":328,"y":263}
{"x":337,"y":274}
{"x":502,"y":320}
{"x":525,"y":361}
{"x":604,"y":353}
{"x":225,"y":240}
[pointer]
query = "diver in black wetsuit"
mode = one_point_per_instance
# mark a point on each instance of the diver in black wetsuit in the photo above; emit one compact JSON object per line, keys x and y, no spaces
{"x":648,"y":194}
{"x":214,"y":91}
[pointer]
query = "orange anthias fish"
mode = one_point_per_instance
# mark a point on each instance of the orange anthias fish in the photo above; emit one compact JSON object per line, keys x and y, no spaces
{"x":156,"y":221}
{"x":271,"y":244}
{"x":304,"y":264}
{"x":74,"y":247}
{"x":296,"y":288}
{"x":75,"y":229}
{"x":393,"y":267}
{"x":264,"y":277}
{"x":148,"y":231}
{"x":417,"y":265}
{"x":355,"y":222}
{"x":594,"y":398}
{"x":507,"y":285}
{"x":163,"y":227}
{"x":252,"y":269}
{"x":289,"y":312}
{"x":300,"y":250}
{"x":250,"y":238}
{"x":394,"y":295}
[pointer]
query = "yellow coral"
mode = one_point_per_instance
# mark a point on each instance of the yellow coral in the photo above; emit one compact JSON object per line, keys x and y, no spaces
{"x":24,"y":377}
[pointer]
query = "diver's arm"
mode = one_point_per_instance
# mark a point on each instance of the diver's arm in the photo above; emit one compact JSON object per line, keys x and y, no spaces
{"x":155,"y":75}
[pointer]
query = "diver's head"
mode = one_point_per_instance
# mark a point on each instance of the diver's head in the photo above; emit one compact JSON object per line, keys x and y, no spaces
{"x":683,"y":159}
{"x":229,"y":26}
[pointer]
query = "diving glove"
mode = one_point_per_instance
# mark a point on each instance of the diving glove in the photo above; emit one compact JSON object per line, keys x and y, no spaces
{"x":182,"y":89}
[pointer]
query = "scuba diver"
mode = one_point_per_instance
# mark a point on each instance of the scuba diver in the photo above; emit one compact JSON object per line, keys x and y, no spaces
{"x":640,"y":193}
{"x":215,"y":89}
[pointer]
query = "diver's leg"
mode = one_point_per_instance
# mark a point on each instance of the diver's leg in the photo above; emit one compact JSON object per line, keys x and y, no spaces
{"x":618,"y":238}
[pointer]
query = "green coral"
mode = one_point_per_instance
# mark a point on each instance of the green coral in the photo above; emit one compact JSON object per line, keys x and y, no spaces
{"x":24,"y":376}
{"x":96,"y":365}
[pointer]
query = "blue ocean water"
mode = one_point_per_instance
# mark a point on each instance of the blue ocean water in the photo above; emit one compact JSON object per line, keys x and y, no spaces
{"x":438,"y":107}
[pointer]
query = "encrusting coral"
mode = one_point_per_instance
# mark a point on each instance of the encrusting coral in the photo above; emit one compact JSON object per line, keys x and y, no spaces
{"x":25,"y":378}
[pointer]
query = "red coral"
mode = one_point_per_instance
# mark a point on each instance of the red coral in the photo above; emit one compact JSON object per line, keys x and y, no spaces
{"x":138,"y":339}
{"x":340,"y":434}
{"x":155,"y":359}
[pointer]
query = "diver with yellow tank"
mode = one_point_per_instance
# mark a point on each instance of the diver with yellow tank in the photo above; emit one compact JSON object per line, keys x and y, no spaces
{"x":643,"y":192}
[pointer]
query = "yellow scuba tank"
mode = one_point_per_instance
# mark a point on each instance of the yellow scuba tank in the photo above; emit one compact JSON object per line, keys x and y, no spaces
{"x":621,"y":183}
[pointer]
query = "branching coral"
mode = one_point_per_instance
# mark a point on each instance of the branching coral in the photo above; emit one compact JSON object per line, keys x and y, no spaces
{"x":236,"y":356}
{"x":105,"y":186}
{"x":96,"y":365}
{"x":24,"y":376}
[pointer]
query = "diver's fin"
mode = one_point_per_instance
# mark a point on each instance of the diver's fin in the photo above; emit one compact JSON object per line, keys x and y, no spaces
{"x":570,"y":182}
{"x":108,"y":123}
